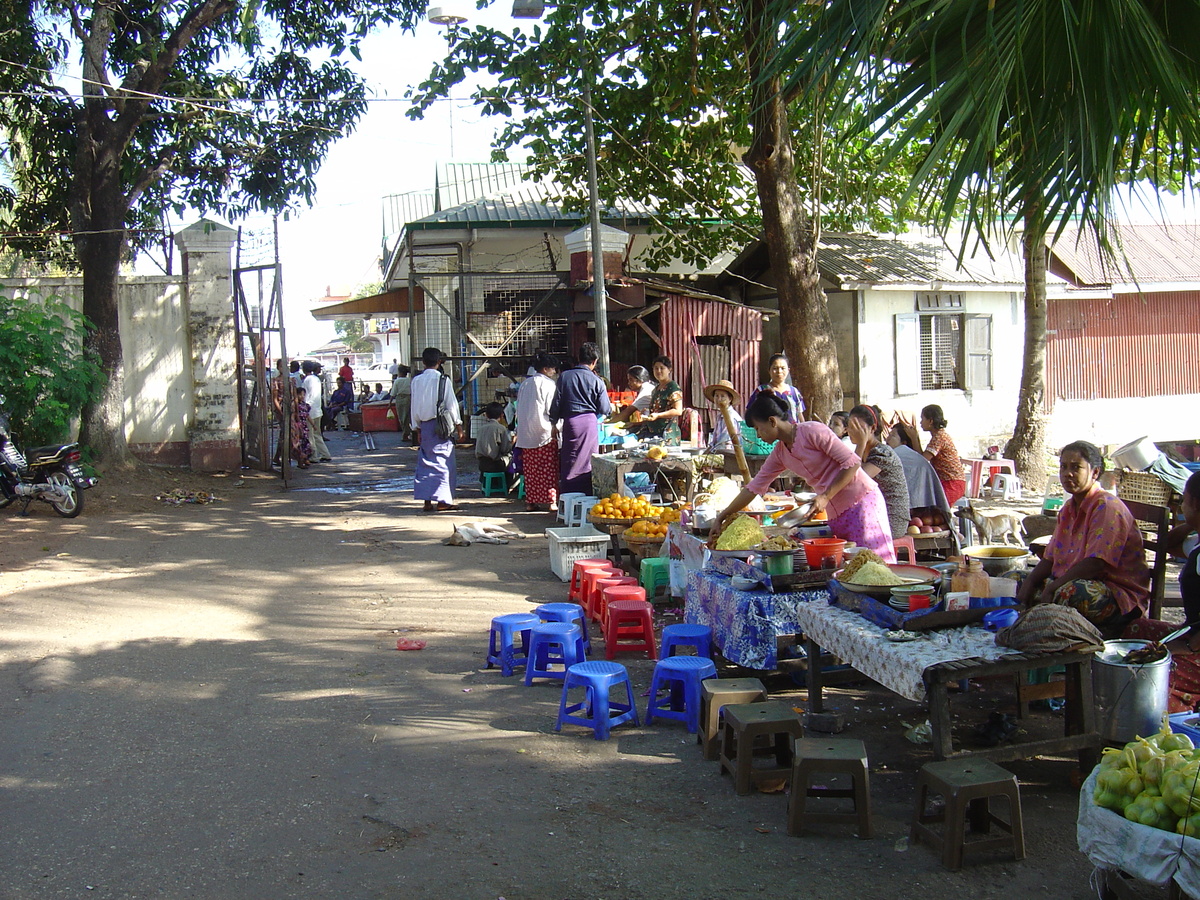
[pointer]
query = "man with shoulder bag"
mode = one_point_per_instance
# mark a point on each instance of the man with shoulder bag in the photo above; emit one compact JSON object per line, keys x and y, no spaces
{"x":436,"y":419}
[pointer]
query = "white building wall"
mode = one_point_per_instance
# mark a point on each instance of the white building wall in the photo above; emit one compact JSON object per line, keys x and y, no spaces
{"x":977,"y":419}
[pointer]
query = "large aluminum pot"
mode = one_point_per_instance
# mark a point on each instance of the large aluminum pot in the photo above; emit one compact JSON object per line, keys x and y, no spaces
{"x":1139,"y":454}
{"x":1130,"y":699}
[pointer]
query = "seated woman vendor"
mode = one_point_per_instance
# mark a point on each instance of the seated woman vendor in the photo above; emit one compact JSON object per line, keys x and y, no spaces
{"x":638,"y":380}
{"x":1184,"y":684}
{"x":1095,"y":561}
{"x":666,"y":406}
{"x":857,"y":511}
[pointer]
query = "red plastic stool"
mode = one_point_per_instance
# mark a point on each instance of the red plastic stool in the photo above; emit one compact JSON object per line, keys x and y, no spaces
{"x":575,"y":593}
{"x":905,"y":543}
{"x":599,"y":602}
{"x":628,"y":624}
{"x":590,"y":577}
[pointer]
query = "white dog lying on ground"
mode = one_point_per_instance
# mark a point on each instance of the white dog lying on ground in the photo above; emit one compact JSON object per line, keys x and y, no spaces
{"x":480,"y":532}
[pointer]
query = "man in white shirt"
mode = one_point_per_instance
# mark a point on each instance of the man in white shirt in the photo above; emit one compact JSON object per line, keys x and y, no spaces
{"x":314,"y":391}
{"x":437,"y":474}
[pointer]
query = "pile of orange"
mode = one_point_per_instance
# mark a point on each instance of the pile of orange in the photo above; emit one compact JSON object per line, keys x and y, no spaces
{"x":645,"y":530}
{"x":614,"y":506}
{"x":668,"y":515}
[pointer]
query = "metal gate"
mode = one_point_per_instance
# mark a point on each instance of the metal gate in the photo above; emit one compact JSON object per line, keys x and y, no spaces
{"x":264,"y":397}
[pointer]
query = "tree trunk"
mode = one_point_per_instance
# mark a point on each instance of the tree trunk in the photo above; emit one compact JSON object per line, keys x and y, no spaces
{"x":98,"y":208}
{"x":790,"y":232}
{"x":1027,"y":448}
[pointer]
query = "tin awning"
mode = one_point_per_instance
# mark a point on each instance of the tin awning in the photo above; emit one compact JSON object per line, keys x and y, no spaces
{"x":386,"y":305}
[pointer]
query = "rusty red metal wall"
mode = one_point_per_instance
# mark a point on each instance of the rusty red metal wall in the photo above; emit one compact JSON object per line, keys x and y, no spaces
{"x":685,"y":317}
{"x":1134,"y":345}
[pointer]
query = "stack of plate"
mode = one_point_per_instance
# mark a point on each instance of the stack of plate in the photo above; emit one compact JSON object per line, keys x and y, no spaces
{"x":900,"y":603}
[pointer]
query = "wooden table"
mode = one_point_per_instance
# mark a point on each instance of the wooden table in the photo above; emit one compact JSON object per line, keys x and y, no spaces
{"x":826,"y":629}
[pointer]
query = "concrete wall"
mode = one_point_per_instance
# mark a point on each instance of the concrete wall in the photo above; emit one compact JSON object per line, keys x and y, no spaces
{"x":178,"y":338}
{"x":977,"y":419}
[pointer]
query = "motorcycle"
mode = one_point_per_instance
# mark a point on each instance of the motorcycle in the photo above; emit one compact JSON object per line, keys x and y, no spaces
{"x":50,"y":474}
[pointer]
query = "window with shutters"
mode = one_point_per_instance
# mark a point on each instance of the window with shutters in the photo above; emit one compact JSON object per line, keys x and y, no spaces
{"x":943,"y":351}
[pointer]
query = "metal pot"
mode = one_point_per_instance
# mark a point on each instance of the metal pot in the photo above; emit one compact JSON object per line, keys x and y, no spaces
{"x":1139,"y":454}
{"x":1130,"y":698}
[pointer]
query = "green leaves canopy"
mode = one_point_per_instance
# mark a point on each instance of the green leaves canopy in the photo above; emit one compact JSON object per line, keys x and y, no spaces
{"x":672,"y":109}
{"x":1039,"y":109}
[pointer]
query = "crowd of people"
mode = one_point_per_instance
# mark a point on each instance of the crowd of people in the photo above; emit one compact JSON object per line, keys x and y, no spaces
{"x":868,"y":468}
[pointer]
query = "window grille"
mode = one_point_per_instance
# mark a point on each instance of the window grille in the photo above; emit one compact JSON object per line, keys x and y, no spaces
{"x":941,"y":351}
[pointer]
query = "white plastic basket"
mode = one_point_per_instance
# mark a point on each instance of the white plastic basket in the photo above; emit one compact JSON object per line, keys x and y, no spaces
{"x":569,"y":545}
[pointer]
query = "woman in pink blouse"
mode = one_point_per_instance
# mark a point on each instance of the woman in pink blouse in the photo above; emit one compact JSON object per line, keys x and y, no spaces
{"x":1095,"y":561}
{"x":857,"y":511}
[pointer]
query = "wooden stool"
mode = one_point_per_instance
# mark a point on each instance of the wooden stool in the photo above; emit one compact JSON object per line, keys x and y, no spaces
{"x":715,"y":695}
{"x":746,"y":721}
{"x":966,"y":785}
{"x":832,"y":756}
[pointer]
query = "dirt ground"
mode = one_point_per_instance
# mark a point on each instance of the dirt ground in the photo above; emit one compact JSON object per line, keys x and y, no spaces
{"x":205,"y":701}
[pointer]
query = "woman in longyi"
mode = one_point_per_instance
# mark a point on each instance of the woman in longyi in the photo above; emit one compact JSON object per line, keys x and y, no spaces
{"x":857,"y":511}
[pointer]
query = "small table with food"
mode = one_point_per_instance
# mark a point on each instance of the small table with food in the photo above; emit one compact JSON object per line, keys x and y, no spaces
{"x":921,"y":665}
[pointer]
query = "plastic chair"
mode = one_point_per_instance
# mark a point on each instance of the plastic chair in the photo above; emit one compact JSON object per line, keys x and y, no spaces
{"x":598,"y":709}
{"x":679,"y":677}
{"x":493,"y":484}
{"x":905,"y":543}
{"x":1008,"y":485}
{"x":578,"y":569}
{"x":746,"y":721}
{"x":563,"y":502}
{"x":715,"y":695}
{"x":590,"y":577}
{"x":655,"y":572}
{"x":628,"y":624}
{"x":697,"y":636}
{"x":967,"y":785}
{"x":598,"y":601}
{"x":553,"y":644}
{"x":566,"y":612}
{"x":502,"y":640}
{"x":833,"y":756}
{"x":580,"y":506}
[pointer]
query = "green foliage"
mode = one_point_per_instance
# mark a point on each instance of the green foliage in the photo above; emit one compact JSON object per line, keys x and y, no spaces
{"x":351,"y":331}
{"x":672,"y":105}
{"x":232,"y":108}
{"x":45,"y":376}
{"x":1038,"y":111}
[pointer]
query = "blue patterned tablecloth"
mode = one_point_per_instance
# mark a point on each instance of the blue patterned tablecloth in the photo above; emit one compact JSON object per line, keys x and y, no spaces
{"x":744,"y":623}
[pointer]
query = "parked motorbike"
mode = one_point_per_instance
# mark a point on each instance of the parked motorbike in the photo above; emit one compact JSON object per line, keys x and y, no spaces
{"x":50,"y":474}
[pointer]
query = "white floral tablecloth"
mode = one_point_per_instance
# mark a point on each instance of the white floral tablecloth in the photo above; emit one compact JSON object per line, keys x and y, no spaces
{"x":897,"y":666}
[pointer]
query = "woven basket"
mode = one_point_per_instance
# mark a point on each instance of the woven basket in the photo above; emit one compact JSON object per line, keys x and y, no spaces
{"x":642,"y":547}
{"x":1144,"y":487}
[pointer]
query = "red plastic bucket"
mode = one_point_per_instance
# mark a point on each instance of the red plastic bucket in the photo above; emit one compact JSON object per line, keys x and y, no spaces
{"x":820,"y":550}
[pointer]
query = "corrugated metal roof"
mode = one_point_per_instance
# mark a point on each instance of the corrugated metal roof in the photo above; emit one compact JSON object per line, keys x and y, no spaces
{"x":522,"y":205}
{"x":869,"y":259}
{"x":1146,"y":253}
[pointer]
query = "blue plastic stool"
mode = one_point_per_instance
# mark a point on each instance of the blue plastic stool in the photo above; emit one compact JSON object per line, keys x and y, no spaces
{"x":698,"y":636}
{"x":655,"y":573}
{"x":679,"y":679}
{"x":600,"y":711}
{"x":502,"y":650}
{"x":493,"y":484}
{"x":553,"y":644}
{"x":566,"y":612}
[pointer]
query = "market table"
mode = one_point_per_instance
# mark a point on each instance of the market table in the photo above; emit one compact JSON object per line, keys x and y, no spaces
{"x":745,"y":624}
{"x":609,"y":469}
{"x":975,"y":479}
{"x":924,"y":669}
